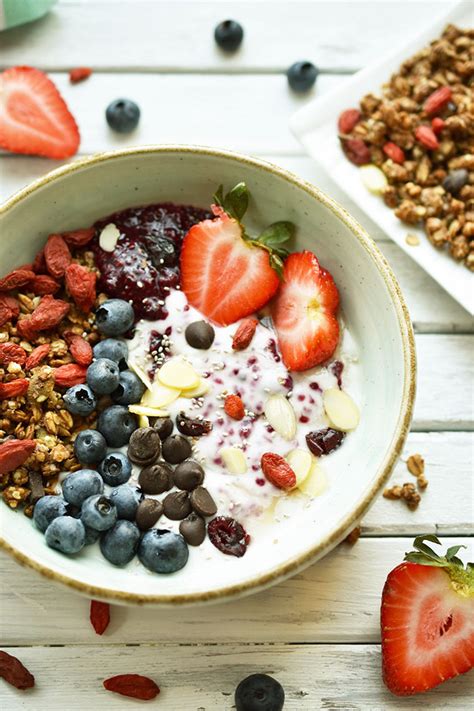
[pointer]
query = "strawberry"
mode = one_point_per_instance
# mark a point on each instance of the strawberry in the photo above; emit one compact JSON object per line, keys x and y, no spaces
{"x":34,"y":118}
{"x":427,"y":620}
{"x":225,"y":273}
{"x":304,"y":312}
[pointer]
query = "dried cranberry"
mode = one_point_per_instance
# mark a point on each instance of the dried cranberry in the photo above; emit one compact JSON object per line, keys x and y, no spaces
{"x":336,"y":368}
{"x":272,"y":348}
{"x":228,"y":535}
{"x":322,"y":442}
{"x":192,"y":427}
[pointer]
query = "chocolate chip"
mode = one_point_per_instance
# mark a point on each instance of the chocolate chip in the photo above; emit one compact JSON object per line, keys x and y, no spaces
{"x":36,"y":486}
{"x":188,"y":475}
{"x":176,"y":449}
{"x":148,"y":513}
{"x":200,"y":334}
{"x":177,"y":505}
{"x":156,"y":478}
{"x":455,"y":180}
{"x":164,"y":427}
{"x":202,"y":502}
{"x":193,"y":529}
{"x":144,"y":446}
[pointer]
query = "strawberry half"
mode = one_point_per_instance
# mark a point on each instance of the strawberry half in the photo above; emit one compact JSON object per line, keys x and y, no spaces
{"x":34,"y":118}
{"x":226,"y":274}
{"x":427,"y":620}
{"x":304,"y":312}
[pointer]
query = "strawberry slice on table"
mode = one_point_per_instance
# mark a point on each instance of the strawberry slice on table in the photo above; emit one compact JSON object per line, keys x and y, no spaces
{"x":427,"y":620}
{"x":304,"y":312}
{"x":225,"y":273}
{"x":34,"y":118}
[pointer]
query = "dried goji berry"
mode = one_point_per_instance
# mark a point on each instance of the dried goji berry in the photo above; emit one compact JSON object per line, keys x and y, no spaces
{"x":14,"y":453}
{"x":5,"y":314}
{"x":37,"y":356}
{"x":11,"y":303}
{"x":13,"y":671}
{"x":25,"y":267}
{"x":278,"y":471}
{"x":234,"y":407}
{"x":356,"y":150}
{"x":48,"y":313}
{"x":12,"y":353}
{"x":437,"y":124}
{"x":57,"y":256}
{"x":437,"y":100}
{"x":79,"y":74}
{"x":70,"y":374}
{"x":79,"y":238}
{"x":14,"y":388}
{"x":26,"y":330}
{"x":39,"y":263}
{"x":244,"y":334}
{"x":100,"y":616}
{"x":425,"y":135}
{"x":79,"y":348}
{"x":43,"y":284}
{"x":394,"y":152}
{"x":15,"y":279}
{"x":133,"y":685}
{"x":348,"y":120}
{"x":80,"y":283}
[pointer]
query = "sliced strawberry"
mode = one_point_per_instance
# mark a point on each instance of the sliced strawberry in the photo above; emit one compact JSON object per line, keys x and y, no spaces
{"x":304,"y":312}
{"x":34,"y":118}
{"x":427,"y":620}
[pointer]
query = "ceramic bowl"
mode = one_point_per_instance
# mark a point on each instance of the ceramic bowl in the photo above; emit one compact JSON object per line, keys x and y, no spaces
{"x":372,"y":307}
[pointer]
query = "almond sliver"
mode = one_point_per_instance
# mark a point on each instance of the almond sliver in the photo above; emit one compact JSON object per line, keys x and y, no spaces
{"x":159,"y":395}
{"x":300,"y":460}
{"x":316,"y":482}
{"x":234,"y":460}
{"x":373,"y":179}
{"x":179,"y":374}
{"x":148,"y":411}
{"x":109,"y":237}
{"x":198,"y":391}
{"x":281,"y":416}
{"x":140,"y":372}
{"x":341,"y":409}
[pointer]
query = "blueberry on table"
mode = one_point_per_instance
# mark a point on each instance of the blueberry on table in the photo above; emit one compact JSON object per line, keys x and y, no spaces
{"x":259,"y":692}
{"x":116,"y":423}
{"x":122,"y":115}
{"x":80,"y":400}
{"x":115,"y":469}
{"x":129,"y":389}
{"x":47,"y":509}
{"x":302,"y":76}
{"x":126,"y":499}
{"x":79,"y":485}
{"x":99,"y":513}
{"x":90,"y":447}
{"x":113,"y":349}
{"x":163,"y":551}
{"x":120,"y":543}
{"x":229,"y":35}
{"x":66,"y":534}
{"x":114,"y":317}
{"x":103,"y":376}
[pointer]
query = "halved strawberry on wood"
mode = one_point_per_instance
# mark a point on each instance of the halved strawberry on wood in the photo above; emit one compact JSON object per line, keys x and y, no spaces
{"x":34,"y":118}
{"x":427,"y":620}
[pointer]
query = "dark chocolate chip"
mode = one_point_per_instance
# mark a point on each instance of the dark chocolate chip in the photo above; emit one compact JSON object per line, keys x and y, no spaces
{"x":188,"y":475}
{"x":176,"y":449}
{"x":156,"y":478}
{"x":36,"y":486}
{"x":455,"y":180}
{"x":193,"y":529}
{"x":177,"y":505}
{"x":148,"y":513}
{"x":202,"y":502}
{"x":200,"y":334}
{"x":144,"y":446}
{"x":164,"y":427}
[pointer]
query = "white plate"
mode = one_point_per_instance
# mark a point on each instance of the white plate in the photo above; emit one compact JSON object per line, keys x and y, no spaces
{"x":315,"y":127}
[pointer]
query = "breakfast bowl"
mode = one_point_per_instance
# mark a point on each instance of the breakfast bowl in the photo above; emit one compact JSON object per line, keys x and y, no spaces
{"x":376,"y":349}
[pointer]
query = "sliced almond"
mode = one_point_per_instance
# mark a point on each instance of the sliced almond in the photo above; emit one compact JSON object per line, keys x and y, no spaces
{"x":341,"y":409}
{"x":234,"y":460}
{"x":373,"y":178}
{"x":140,"y":372}
{"x":148,"y":411}
{"x":281,"y":416}
{"x":300,"y":460}
{"x":109,"y":237}
{"x":199,"y":390}
{"x":178,"y":373}
{"x":159,"y":395}
{"x":316,"y":482}
{"x":143,"y":421}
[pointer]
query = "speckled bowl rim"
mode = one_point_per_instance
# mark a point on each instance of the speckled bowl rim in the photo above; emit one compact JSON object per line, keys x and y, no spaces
{"x":294,"y":565}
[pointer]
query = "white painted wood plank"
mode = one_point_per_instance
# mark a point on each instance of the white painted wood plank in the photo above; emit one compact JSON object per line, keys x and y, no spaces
{"x":335,"y":600}
{"x":168,"y":35}
{"x":199,"y":678}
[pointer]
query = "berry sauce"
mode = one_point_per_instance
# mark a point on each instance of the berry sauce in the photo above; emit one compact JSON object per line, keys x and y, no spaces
{"x":144,"y":265}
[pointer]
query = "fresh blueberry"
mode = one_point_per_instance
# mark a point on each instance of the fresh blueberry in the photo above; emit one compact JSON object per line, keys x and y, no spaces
{"x":92,"y":536}
{"x":47,"y":509}
{"x":259,"y":692}
{"x":103,"y":376}
{"x":120,"y":543}
{"x":90,"y":447}
{"x":115,"y":469}
{"x":66,"y":534}
{"x":98,"y":512}
{"x":113,"y":349}
{"x":80,"y":400}
{"x":126,"y":499}
{"x":114,"y":317}
{"x":79,"y":485}
{"x":116,"y":423}
{"x":229,"y":35}
{"x":302,"y":76}
{"x":163,"y":551}
{"x":122,"y":115}
{"x":129,"y":390}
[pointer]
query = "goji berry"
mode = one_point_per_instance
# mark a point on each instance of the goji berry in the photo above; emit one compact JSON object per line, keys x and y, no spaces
{"x":437,"y":124}
{"x":12,"y":353}
{"x":99,"y":616}
{"x":80,"y":283}
{"x":234,"y":407}
{"x":48,"y":313}
{"x":437,"y":100}
{"x":14,"y":388}
{"x":39,"y":263}
{"x":356,"y":150}
{"x":25,"y":267}
{"x":394,"y":152}
{"x":79,"y":74}
{"x":348,"y":120}
{"x":57,"y":256}
{"x":11,"y":303}
{"x":13,"y":671}
{"x":133,"y":685}
{"x":278,"y":471}
{"x":78,"y":238}
{"x":26,"y":330}
{"x":5,"y":314}
{"x":244,"y":334}
{"x":15,"y":279}
{"x":425,"y":135}
{"x":14,"y":453}
{"x":79,"y":348}
{"x":43,"y":284}
{"x":70,"y":374}
{"x":37,"y":356}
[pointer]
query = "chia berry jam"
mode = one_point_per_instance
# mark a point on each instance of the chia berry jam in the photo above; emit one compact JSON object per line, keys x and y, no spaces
{"x":144,"y":265}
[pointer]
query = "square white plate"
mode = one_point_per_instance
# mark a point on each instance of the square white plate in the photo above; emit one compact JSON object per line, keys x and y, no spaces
{"x":315,"y":126}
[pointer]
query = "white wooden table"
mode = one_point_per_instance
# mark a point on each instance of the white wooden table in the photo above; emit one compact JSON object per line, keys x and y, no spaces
{"x":319,"y":632}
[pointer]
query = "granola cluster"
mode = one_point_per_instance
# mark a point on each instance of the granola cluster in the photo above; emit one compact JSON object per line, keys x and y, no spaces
{"x":407,"y":492}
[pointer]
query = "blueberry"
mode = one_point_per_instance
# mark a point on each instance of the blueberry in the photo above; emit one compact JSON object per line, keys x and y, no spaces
{"x":259,"y":692}
{"x":163,"y":551}
{"x":79,"y":485}
{"x":90,"y":447}
{"x":92,"y":536}
{"x":114,"y":317}
{"x":116,"y":423}
{"x":129,"y":390}
{"x":66,"y":534}
{"x":47,"y":509}
{"x":115,"y":469}
{"x":80,"y":400}
{"x":120,"y":543}
{"x":98,"y":512}
{"x":126,"y":499}
{"x":229,"y":35}
{"x":103,"y":376}
{"x":302,"y":76}
{"x":113,"y":349}
{"x":122,"y":115}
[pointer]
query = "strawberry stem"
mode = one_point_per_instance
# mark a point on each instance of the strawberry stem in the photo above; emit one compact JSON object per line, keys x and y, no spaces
{"x":462,"y":578}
